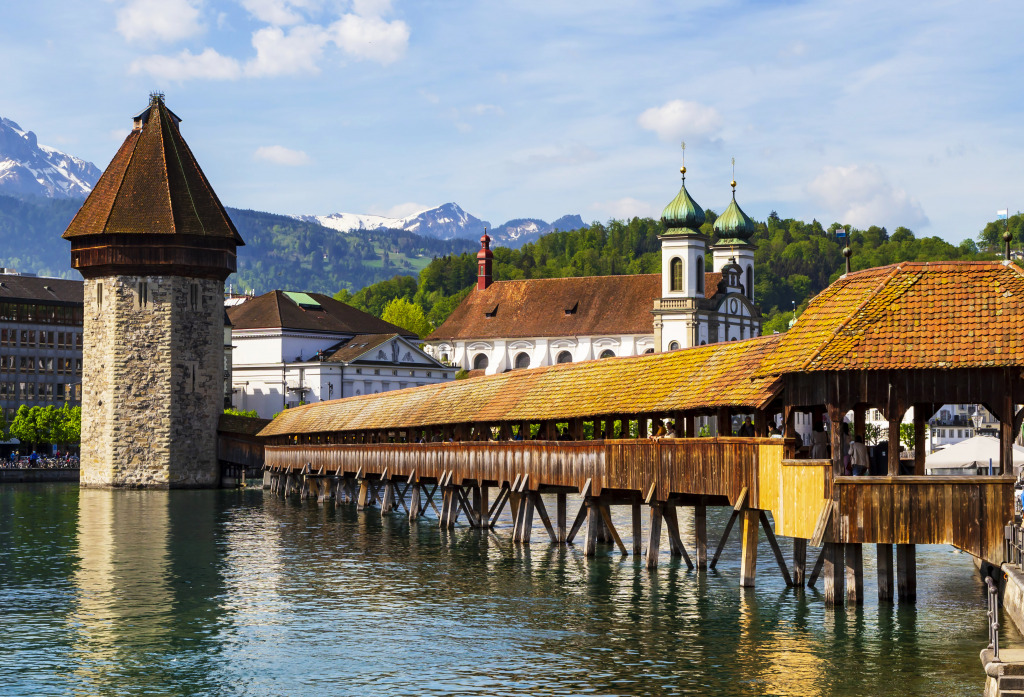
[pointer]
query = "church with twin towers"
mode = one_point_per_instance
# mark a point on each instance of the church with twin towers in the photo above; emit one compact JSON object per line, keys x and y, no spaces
{"x":703,"y":295}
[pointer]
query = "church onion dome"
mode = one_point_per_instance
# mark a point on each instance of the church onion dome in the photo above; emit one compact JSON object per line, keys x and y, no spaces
{"x":682,"y":215}
{"x":734,"y":226}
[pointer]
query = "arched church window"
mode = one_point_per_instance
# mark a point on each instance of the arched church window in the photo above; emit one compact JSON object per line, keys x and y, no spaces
{"x":650,"y":350}
{"x":673,"y":346}
{"x":750,"y":283}
{"x":522,"y":360}
{"x":676,"y":272}
{"x":480,"y":361}
{"x":564,"y":357}
{"x":700,"y":275}
{"x":607,"y":353}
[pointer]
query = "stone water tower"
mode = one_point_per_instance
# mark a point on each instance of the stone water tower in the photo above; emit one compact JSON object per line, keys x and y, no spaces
{"x":154,"y":244}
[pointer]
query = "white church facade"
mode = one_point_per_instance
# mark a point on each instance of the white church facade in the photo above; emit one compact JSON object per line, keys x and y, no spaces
{"x":704,"y":294}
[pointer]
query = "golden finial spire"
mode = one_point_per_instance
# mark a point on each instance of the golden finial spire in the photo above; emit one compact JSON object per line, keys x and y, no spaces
{"x":733,"y":182}
{"x":682,"y":169}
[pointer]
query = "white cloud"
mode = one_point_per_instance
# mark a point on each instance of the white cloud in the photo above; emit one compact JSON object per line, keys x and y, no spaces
{"x":626,"y":208}
{"x":371,"y":38}
{"x":119,"y":134}
{"x":278,"y":53}
{"x":862,"y":196}
{"x":162,"y":20}
{"x":279,"y":13}
{"x":281,"y":155}
{"x":679,"y":120}
{"x":208,"y":65}
{"x":401,"y":210}
{"x":371,"y":8}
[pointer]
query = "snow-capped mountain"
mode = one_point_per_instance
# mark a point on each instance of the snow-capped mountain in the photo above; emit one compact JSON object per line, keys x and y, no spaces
{"x":446,"y":222}
{"x":26,"y":167}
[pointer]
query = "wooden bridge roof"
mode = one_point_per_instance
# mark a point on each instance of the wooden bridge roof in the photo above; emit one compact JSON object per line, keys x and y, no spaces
{"x":704,"y":377}
{"x":911,"y":315}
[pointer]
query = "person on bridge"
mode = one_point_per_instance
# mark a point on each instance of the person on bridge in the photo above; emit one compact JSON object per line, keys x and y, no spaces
{"x":859,"y":460}
{"x":659,"y":430}
{"x":670,"y":429}
{"x":746,"y":429}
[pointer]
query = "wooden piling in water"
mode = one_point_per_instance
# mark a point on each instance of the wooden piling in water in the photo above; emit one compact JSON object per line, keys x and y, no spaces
{"x":799,"y":561}
{"x":854,"y":556}
{"x":700,"y":532}
{"x":748,"y":558}
{"x":906,"y":573}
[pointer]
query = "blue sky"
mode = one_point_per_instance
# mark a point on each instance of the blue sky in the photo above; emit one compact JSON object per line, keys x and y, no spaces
{"x":892,"y":113}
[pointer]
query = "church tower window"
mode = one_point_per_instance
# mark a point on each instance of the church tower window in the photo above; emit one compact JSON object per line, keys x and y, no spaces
{"x":677,"y":274}
{"x":700,"y":275}
{"x":750,"y":283}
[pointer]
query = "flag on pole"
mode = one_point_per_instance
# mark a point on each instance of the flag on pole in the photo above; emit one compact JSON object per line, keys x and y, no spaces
{"x":1003,"y":213}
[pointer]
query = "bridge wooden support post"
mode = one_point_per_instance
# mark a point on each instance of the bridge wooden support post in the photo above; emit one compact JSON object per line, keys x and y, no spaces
{"x":675,"y":540}
{"x":700,"y":532}
{"x":854,"y":574}
{"x":884,"y":567}
{"x":799,"y":561}
{"x":560,"y":517}
{"x":906,"y":573}
{"x":480,"y":506}
{"x":524,"y":518}
{"x":415,"y":508}
{"x":363,"y":497}
{"x":638,"y":530}
{"x":590,"y":540}
{"x":834,"y":572}
{"x":748,"y":557}
{"x":654,"y":538}
{"x":266,"y":479}
{"x":606,"y":518}
{"x":387,"y":502}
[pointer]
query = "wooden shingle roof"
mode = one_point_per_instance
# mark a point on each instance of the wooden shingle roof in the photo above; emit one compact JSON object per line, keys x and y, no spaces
{"x":153,"y":186}
{"x":703,"y":377}
{"x":911,"y":315}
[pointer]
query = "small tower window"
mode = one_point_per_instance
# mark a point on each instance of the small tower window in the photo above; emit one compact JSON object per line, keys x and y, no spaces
{"x":194,"y":296}
{"x":676,"y":270}
{"x":700,"y":275}
{"x":142,"y":295}
{"x":99,"y":297}
{"x":674,"y":345}
{"x":750,"y":283}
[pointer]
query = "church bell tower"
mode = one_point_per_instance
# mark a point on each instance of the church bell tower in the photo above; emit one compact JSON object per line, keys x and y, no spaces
{"x":155,"y":245}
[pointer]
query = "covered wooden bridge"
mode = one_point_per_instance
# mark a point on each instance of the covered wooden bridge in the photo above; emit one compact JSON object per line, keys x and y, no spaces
{"x":888,"y":338}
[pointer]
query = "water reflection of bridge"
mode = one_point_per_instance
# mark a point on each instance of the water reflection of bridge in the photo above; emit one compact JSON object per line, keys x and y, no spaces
{"x":917,"y":335}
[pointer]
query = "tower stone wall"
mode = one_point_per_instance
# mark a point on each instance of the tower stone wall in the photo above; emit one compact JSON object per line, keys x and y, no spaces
{"x":153,"y":381}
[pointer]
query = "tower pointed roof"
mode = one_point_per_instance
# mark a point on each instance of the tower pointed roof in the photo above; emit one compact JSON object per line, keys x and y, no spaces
{"x":683,"y":215}
{"x":154,"y":186}
{"x":734,"y":227}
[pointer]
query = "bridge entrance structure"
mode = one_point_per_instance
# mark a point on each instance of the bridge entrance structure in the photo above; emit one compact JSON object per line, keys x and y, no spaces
{"x":912,"y":334}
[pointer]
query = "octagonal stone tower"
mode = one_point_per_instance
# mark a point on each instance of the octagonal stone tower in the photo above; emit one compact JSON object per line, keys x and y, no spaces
{"x":154,"y":244}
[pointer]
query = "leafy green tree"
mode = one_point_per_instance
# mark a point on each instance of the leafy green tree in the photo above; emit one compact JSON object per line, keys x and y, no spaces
{"x":24,"y":426}
{"x":250,"y":413}
{"x":405,"y":314}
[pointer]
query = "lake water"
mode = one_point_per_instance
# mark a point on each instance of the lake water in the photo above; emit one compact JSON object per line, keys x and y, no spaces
{"x":241,"y":593}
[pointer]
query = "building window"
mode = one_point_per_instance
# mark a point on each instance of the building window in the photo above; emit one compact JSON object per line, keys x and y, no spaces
{"x":564,"y":357}
{"x":607,"y":353}
{"x":142,"y":295}
{"x":359,"y":371}
{"x":429,"y":374}
{"x":750,"y":283}
{"x":522,"y":360}
{"x":480,"y":361}
{"x":444,"y":375}
{"x":676,"y":273}
{"x":376,"y":371}
{"x":194,"y":296}
{"x":673,"y":345}
{"x":394,"y":372}
{"x":700,"y":275}
{"x":99,"y":297}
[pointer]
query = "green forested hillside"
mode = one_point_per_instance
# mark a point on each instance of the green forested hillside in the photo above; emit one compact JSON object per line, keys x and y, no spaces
{"x":794,"y":261}
{"x":30,"y":235}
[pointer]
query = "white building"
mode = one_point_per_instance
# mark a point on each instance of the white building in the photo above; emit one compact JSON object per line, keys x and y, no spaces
{"x":296,"y":348}
{"x":507,"y":325}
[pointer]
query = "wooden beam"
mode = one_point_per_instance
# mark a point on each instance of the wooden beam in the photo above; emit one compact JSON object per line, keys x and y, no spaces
{"x":816,"y":571}
{"x":590,"y":541}
{"x":638,"y":529}
{"x":724,"y":422}
{"x":774,"y":544}
{"x":606,"y":515}
{"x":538,"y":503}
{"x":894,"y":413}
{"x":920,"y":444}
{"x":906,"y":572}
{"x":854,"y":574}
{"x":415,"y":510}
{"x":835,"y":573}
{"x":799,"y":561}
{"x":885,"y":577}
{"x":654,"y":538}
{"x":824,"y":525}
{"x":748,"y":559}
{"x":700,"y":532}
{"x":674,"y":538}
{"x":560,"y":516}
{"x":581,"y":516}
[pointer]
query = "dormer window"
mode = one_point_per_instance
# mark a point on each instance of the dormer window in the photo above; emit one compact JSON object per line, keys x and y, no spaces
{"x":572,"y":310}
{"x":492,"y":312}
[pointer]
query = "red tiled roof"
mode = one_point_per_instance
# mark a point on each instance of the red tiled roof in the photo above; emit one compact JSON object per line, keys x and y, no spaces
{"x":274,"y":310}
{"x":912,"y":315}
{"x":703,"y":377}
{"x":153,"y":186}
{"x":537,"y":307}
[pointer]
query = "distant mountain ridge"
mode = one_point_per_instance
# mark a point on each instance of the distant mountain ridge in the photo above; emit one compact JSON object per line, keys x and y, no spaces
{"x":446,"y":222}
{"x":30,"y":169}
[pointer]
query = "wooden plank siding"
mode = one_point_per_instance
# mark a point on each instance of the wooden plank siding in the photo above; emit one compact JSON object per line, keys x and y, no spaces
{"x":803,"y":486}
{"x":966,"y":512}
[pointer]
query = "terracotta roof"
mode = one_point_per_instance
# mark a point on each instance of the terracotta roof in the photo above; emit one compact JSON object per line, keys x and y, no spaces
{"x":153,"y":186}
{"x":41,"y":289}
{"x":275,"y":310}
{"x":575,"y":306}
{"x":912,"y":315}
{"x":697,"y":378}
{"x":357,"y":346}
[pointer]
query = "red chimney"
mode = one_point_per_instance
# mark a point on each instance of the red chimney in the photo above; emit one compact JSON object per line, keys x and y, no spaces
{"x":483,"y":262}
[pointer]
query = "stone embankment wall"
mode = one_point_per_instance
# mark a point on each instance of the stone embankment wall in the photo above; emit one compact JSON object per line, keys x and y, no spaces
{"x":153,"y":381}
{"x":23,"y":476}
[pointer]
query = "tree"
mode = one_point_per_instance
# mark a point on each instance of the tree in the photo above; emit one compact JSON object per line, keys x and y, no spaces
{"x":24,"y":426}
{"x":406,"y":315}
{"x":907,"y":438}
{"x":250,"y":413}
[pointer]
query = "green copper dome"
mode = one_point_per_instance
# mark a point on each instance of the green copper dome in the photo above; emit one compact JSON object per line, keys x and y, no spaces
{"x":682,"y":215}
{"x":734,"y":226}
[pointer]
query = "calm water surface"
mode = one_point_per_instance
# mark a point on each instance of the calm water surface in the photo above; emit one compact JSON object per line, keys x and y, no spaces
{"x":240,"y":593}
